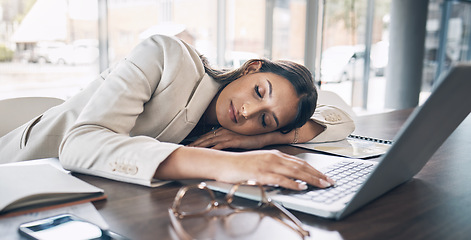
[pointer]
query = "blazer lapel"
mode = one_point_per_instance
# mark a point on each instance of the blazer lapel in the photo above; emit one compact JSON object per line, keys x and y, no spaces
{"x":189,"y":116}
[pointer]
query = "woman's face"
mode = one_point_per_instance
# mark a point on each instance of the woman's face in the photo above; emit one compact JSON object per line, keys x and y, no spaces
{"x":257,"y":103}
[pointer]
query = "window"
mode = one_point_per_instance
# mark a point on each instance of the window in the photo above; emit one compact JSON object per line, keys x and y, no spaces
{"x":56,"y":53}
{"x":47,"y":53}
{"x":343,"y":51}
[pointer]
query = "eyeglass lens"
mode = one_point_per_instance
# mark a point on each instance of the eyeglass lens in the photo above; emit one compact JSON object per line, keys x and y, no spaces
{"x":195,"y":201}
{"x":256,"y":196}
{"x":242,"y":223}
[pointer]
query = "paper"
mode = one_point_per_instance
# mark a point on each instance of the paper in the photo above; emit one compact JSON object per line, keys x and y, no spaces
{"x":350,"y":147}
{"x":51,"y":161}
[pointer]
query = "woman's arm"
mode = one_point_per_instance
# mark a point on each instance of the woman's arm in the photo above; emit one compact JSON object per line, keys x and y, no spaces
{"x":223,"y":138}
{"x":101,"y":140}
{"x":264,"y":166}
{"x":337,"y":124}
{"x":327,"y":124}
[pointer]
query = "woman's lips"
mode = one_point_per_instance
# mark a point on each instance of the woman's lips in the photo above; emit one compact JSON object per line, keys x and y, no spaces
{"x":232,"y":113}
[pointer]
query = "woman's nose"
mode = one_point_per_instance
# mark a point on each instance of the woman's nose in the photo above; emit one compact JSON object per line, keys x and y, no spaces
{"x":249,"y":110}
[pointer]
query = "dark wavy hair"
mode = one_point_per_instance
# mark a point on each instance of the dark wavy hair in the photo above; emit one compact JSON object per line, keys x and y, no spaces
{"x":299,"y":76}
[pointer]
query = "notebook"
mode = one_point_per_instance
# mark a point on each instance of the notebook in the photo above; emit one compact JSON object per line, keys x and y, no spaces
{"x":37,"y":185}
{"x":354,"y":146}
{"x":421,"y":135}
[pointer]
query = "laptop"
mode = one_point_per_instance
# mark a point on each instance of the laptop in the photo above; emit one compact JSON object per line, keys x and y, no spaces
{"x":364,"y":180}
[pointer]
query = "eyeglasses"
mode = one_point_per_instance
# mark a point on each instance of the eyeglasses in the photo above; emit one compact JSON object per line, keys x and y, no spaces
{"x":199,"y":201}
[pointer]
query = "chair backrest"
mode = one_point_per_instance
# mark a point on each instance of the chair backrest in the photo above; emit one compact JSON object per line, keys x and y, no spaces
{"x":332,"y":99}
{"x":17,"y":111}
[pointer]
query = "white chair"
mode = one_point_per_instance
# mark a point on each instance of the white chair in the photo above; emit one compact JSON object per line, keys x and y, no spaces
{"x":17,"y":111}
{"x":332,"y":99}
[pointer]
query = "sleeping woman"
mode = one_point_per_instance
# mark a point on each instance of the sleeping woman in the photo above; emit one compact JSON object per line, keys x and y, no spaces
{"x":163,"y":113}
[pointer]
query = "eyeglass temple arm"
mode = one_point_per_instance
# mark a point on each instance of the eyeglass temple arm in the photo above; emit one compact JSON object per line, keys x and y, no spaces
{"x":286,"y":213}
{"x":291,"y":217}
{"x":178,"y":227}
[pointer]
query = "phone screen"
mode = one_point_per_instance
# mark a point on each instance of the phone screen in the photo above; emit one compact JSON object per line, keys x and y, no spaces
{"x":63,"y":226}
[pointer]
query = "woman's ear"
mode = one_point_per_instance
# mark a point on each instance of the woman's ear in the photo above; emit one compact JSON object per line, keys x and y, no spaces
{"x":253,"y":67}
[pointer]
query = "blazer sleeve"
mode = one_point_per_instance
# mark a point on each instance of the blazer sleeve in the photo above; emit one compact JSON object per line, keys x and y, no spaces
{"x":99,"y":142}
{"x":337,"y":124}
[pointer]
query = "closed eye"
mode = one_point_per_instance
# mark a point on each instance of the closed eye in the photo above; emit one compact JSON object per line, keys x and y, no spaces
{"x":257,"y":91}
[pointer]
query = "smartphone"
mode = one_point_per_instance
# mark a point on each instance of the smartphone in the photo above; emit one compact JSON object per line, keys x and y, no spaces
{"x":66,"y":226}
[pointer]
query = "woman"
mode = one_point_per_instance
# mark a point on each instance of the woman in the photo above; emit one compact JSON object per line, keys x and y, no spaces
{"x":126,"y":125}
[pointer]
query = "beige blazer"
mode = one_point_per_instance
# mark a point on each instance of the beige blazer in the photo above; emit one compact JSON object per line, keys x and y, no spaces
{"x":128,"y":120}
{"x":123,"y":124}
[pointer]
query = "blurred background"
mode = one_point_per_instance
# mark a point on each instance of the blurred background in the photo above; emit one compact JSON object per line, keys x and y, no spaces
{"x":56,"y":47}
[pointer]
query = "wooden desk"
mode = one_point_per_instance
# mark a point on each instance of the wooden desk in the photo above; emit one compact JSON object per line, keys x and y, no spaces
{"x":436,"y":204}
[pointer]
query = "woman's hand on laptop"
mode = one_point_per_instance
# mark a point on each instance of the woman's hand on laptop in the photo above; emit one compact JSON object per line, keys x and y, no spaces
{"x":267,"y":167}
{"x":272,"y":167}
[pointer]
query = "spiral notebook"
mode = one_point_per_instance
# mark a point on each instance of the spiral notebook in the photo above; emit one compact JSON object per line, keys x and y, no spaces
{"x":354,"y":146}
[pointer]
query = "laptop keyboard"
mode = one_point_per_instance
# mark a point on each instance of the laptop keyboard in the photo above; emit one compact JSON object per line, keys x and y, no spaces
{"x":349,"y":177}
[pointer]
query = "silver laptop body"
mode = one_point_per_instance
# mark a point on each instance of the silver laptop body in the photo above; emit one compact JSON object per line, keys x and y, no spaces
{"x":421,"y":135}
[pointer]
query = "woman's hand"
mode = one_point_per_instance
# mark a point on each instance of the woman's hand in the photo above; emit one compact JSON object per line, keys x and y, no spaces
{"x":222,"y":138}
{"x":268,"y":167}
{"x":272,"y":167}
